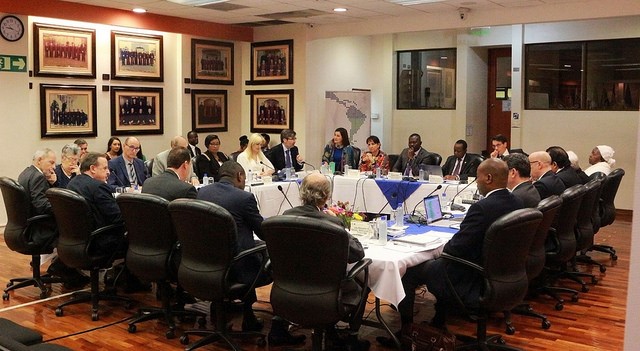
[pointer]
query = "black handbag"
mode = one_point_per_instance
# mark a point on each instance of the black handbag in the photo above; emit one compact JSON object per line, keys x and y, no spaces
{"x":423,"y":337}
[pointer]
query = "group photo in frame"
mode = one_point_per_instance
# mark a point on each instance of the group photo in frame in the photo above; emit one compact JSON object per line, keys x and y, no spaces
{"x":68,"y":111}
{"x":136,"y":57}
{"x":211,"y":62}
{"x":209,"y":111}
{"x":136,"y":111}
{"x":64,"y":51}
{"x":272,"y":62}
{"x":271,"y":110}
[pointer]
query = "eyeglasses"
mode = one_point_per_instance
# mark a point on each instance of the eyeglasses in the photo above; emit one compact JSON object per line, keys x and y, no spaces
{"x":294,"y":138}
{"x":133,"y":147}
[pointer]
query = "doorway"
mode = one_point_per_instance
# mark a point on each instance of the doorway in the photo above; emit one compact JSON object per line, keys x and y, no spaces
{"x":499,"y":95}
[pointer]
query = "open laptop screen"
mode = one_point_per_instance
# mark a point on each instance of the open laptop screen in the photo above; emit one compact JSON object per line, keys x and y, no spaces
{"x":432,"y":208}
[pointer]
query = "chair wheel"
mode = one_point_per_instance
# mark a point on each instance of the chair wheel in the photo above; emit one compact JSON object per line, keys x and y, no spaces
{"x":132,"y":328}
{"x":594,"y":280}
{"x":501,"y":341}
{"x":574,"y":298}
{"x":262,"y":342}
{"x":94,"y":316}
{"x":546,"y":324}
{"x":45,"y":293}
{"x":614,"y":257}
{"x":559,"y":306}
{"x":584,"y":289}
{"x":170,"y":334}
{"x":510,"y":330}
{"x":59,"y":312}
{"x":5,"y":296}
{"x":184,"y":340}
{"x":603,"y":269}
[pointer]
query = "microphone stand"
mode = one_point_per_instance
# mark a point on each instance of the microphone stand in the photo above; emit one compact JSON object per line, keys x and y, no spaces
{"x":285,"y":195}
{"x":455,"y":207}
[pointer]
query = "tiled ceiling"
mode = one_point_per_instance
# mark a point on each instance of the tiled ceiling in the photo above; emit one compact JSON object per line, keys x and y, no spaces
{"x":269,"y":12}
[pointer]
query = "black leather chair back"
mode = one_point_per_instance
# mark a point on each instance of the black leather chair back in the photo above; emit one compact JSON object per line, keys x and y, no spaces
{"x":535,"y":261}
{"x":504,"y":255}
{"x":356,"y":154}
{"x":393,"y":158}
{"x":17,"y":205}
{"x":609,"y":191}
{"x":207,"y":235}
{"x":595,"y":216}
{"x":584,"y":224}
{"x":308,"y":262}
{"x":150,"y":235}
{"x":564,"y":224}
{"x":437,"y":159}
{"x":75,"y":224}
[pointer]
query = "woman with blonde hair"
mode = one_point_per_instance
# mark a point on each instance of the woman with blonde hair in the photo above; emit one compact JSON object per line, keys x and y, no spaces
{"x":253,"y":159}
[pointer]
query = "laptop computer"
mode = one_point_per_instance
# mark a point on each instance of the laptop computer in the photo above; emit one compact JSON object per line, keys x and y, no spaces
{"x":431,"y":170}
{"x":434,"y":215}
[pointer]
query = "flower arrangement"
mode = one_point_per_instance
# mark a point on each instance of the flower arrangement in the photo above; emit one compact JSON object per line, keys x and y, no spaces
{"x":343,"y":211}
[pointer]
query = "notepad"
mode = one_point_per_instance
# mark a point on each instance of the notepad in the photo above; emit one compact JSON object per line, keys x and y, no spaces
{"x":420,"y":239}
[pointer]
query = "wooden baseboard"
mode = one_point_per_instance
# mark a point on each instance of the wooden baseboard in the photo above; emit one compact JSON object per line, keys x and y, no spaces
{"x":624,"y":215}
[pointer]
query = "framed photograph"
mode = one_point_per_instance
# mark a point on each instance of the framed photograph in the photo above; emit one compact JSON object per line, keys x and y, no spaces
{"x":211,"y":62}
{"x":271,"y":110}
{"x":272,"y":62}
{"x":64,"y":51}
{"x":68,"y":111}
{"x":209,"y":110}
{"x":136,"y":111}
{"x":136,"y":57}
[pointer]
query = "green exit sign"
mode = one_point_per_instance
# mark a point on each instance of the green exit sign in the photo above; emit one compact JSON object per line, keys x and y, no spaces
{"x":12,"y":63}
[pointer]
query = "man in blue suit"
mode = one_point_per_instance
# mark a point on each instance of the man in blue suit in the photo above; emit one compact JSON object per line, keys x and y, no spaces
{"x":466,"y":243}
{"x":545,"y":180}
{"x":127,"y":170}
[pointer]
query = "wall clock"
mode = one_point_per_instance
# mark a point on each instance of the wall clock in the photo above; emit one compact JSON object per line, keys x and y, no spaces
{"x":11,"y":28}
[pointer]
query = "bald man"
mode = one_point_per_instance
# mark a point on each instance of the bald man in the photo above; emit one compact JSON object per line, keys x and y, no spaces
{"x":127,"y":170}
{"x":544,"y":179}
{"x":467,"y":244}
{"x":160,"y":161}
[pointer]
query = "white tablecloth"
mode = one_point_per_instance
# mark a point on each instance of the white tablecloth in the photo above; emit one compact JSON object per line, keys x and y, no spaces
{"x":271,"y":201}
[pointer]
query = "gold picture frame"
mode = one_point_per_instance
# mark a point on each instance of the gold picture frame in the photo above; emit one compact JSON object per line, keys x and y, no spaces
{"x":64,"y":51}
{"x":137,"y":57}
{"x":211,"y":62}
{"x":68,"y":111}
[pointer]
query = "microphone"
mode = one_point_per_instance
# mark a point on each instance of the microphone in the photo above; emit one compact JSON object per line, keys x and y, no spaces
{"x":285,"y":195}
{"x":393,"y":195}
{"x":266,"y":165}
{"x":431,"y":193}
{"x":456,"y":207}
{"x":308,"y":164}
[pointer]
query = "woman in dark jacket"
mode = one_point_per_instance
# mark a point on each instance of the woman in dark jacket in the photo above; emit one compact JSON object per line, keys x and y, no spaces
{"x":210,"y":161}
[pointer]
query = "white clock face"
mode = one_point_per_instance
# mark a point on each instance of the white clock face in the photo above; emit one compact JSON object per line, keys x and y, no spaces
{"x":11,"y":28}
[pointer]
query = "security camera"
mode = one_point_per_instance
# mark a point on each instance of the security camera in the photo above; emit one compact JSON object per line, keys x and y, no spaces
{"x":463,"y":11}
{"x":310,"y":25}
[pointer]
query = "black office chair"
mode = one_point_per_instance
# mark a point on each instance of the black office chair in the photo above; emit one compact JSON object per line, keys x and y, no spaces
{"x":149,"y":166}
{"x":584,"y":231}
{"x":151,"y":254}
{"x":75,"y":246}
{"x":561,"y":245}
{"x":305,"y":292}
{"x":356,"y":154}
{"x":6,"y":343}
{"x":17,"y":236}
{"x":205,"y":267}
{"x":393,"y":158}
{"x":436,"y":159}
{"x":506,"y":245}
{"x":549,"y":207}
{"x":608,"y":207}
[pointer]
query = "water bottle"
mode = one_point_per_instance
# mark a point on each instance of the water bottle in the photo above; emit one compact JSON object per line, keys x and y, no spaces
{"x":211,"y":180}
{"x":400,"y":215}
{"x":250,"y":176}
{"x":421,"y":174}
{"x":205,"y":179}
{"x":287,"y":174}
{"x":378,"y":173}
{"x":382,"y":230}
{"x":292,"y":171}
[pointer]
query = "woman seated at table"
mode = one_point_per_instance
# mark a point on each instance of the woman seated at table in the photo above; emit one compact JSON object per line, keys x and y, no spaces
{"x":210,"y":161}
{"x":253,"y":159}
{"x":374,"y":158}
{"x":339,"y":151}
{"x":114,"y":148}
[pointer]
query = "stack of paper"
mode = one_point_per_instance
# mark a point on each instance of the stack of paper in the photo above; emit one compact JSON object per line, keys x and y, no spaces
{"x":420,"y":239}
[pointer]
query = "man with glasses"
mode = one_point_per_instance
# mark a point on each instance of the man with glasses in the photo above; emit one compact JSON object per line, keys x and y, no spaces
{"x":127,"y":170}
{"x":84,"y":147}
{"x":68,"y":167}
{"x":544,"y":180}
{"x":286,"y":155}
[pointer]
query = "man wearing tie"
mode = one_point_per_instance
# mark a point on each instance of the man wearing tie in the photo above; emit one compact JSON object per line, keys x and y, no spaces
{"x":285,"y":155}
{"x":500,"y":145}
{"x":460,"y":165}
{"x":194,"y":150}
{"x":412,"y":157}
{"x":127,"y":170}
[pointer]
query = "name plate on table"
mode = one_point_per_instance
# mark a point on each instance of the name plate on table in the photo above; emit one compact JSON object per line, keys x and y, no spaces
{"x":353,"y":173}
{"x":361,"y":229}
{"x":435,"y":179}
{"x":394,"y":176}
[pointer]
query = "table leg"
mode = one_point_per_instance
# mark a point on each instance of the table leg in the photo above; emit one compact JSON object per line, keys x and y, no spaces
{"x":381,"y":323}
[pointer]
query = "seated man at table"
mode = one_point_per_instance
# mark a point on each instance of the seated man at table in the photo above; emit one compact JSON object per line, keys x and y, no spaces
{"x":466,"y":243}
{"x":544,"y":179}
{"x":460,"y":165}
{"x":412,"y":157}
{"x":229,"y":193}
{"x":127,"y":170}
{"x":519,"y":181}
{"x":314,"y":193}
{"x":561,"y":166}
{"x":172,"y":183}
{"x":285,"y":154}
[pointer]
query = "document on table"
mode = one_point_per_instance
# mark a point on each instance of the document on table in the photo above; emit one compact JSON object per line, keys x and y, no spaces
{"x":419,"y":242}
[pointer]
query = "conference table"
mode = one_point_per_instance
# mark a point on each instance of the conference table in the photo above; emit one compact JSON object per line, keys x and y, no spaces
{"x":363,"y":194}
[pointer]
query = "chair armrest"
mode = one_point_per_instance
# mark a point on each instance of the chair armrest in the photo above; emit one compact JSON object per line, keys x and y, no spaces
{"x":107,"y":229}
{"x":462,"y":261}
{"x":39,"y":218}
{"x":358,"y":267}
{"x":258,"y":248}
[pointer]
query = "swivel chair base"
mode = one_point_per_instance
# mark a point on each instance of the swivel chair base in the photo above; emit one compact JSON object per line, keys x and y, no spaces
{"x":41,"y":281}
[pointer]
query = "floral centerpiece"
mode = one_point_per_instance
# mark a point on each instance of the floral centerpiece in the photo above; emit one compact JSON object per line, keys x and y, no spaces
{"x":343,"y":211}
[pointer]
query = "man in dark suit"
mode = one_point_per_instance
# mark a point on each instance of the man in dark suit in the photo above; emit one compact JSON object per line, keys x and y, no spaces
{"x":127,"y":170}
{"x":519,"y":181}
{"x":561,"y":166}
{"x":171,"y":184}
{"x":412,"y":157}
{"x":467,"y":244}
{"x":286,"y":153}
{"x":194,"y":150}
{"x":460,"y":165}
{"x":545,"y":181}
{"x":315,"y":190}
